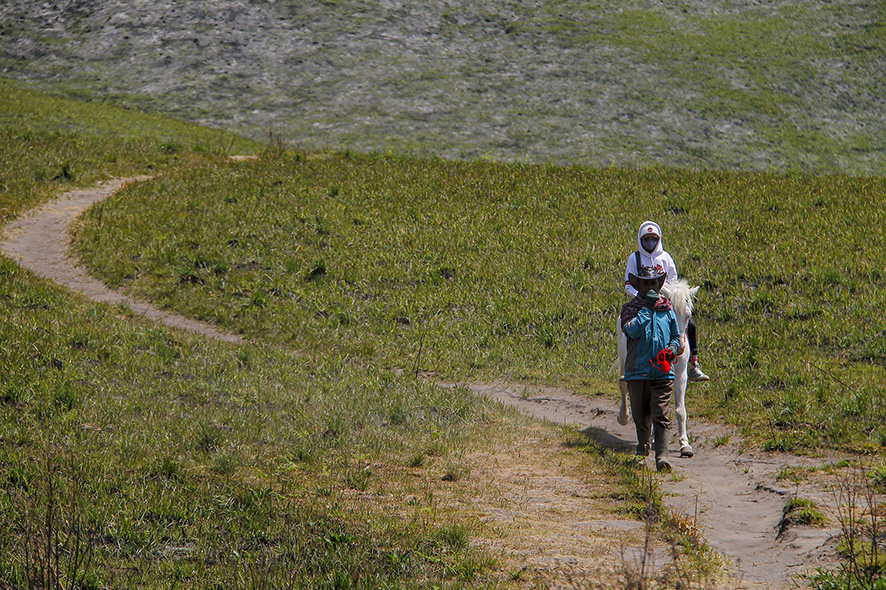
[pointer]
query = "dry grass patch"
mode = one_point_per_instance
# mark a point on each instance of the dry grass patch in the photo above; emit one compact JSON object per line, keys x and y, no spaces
{"x":542,"y":509}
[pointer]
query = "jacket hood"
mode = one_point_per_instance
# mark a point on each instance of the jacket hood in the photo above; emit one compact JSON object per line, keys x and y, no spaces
{"x":650,"y":227}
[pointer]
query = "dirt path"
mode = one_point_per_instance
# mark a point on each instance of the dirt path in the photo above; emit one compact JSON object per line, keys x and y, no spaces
{"x":731,"y":496}
{"x":39,"y":241}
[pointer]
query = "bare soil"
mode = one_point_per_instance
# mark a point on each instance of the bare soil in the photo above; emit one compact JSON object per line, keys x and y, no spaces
{"x":546,"y":514}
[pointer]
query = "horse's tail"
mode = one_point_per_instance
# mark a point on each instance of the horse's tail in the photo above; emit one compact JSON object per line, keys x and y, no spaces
{"x":618,"y":363}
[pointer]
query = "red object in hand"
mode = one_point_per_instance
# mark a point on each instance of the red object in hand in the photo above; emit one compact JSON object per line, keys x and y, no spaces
{"x":663,"y":360}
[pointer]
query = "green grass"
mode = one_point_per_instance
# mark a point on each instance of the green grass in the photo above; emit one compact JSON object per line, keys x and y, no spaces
{"x":48,"y":144}
{"x":171,"y":459}
{"x":484,"y":269}
{"x":878,"y":477}
{"x":189,"y":463}
{"x":137,"y":456}
{"x":799,"y":511}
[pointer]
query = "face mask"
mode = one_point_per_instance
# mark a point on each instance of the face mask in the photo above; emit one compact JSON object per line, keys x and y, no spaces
{"x":649,"y":244}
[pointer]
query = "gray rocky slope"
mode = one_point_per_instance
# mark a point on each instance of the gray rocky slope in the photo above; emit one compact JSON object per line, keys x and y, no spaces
{"x":706,"y":84}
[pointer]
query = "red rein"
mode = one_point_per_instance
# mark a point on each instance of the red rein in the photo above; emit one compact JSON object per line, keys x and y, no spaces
{"x":663,"y":360}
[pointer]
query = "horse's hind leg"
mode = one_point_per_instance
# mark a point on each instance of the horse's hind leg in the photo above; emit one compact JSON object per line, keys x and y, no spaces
{"x":623,"y":410}
{"x":620,"y":371}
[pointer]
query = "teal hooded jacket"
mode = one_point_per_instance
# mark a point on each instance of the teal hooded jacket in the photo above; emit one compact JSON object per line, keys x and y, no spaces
{"x":649,"y":332}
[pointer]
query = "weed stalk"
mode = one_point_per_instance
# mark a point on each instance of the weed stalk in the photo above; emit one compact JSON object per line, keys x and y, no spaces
{"x":58,"y":550}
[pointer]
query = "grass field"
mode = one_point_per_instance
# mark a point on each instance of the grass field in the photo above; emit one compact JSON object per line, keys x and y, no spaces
{"x":134,"y":456}
{"x":483,"y":270}
{"x":50,"y":144}
{"x":169,"y":459}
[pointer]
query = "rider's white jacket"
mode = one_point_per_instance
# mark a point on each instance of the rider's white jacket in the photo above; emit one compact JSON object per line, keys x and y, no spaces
{"x":658,"y":259}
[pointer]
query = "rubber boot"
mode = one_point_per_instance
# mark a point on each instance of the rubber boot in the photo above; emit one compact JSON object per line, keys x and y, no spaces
{"x":662,"y":438}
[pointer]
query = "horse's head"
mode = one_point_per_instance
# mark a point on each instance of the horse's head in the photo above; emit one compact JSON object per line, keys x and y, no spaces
{"x":680,"y":294}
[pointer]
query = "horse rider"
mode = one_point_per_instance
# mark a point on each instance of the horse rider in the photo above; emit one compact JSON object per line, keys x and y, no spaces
{"x":650,"y":252}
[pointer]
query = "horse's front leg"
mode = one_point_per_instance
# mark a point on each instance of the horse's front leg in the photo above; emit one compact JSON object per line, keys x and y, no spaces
{"x":681,"y":372}
{"x":680,"y":403}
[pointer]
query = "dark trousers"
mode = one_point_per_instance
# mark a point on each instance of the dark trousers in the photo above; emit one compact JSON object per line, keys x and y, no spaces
{"x":690,"y":335}
{"x":650,"y":405}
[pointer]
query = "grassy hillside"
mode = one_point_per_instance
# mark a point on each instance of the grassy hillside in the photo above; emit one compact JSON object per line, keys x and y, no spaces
{"x":485,"y":270}
{"x":136,"y":456}
{"x":760,"y":86}
{"x":48,"y":144}
{"x":303,"y":458}
{"x":159,"y":457}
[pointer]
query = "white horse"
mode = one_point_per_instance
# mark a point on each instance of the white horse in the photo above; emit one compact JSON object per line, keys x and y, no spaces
{"x":680,"y":294}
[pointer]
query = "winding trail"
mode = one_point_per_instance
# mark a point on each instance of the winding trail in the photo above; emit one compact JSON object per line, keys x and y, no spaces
{"x":731,"y":496}
{"x":39,"y":241}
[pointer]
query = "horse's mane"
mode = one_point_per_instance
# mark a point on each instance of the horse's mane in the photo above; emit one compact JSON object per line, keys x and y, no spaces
{"x":680,"y":294}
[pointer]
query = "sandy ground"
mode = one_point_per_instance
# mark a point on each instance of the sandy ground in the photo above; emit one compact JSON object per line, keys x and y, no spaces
{"x":731,"y":495}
